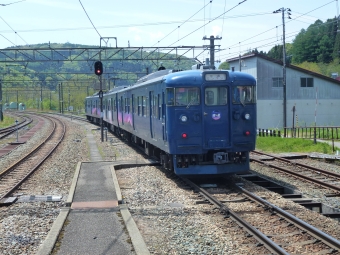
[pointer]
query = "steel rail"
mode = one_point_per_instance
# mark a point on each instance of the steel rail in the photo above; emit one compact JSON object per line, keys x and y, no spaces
{"x":268,"y":243}
{"x":29,"y":155}
{"x":300,"y":164}
{"x":318,"y":234}
{"x":321,"y":183}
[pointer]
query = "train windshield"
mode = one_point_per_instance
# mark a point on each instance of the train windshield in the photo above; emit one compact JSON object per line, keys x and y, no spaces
{"x":216,"y":96}
{"x":185,"y":96}
{"x":244,"y":95}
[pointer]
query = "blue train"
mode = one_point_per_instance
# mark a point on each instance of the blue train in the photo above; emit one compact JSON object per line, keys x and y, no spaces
{"x":195,"y":122}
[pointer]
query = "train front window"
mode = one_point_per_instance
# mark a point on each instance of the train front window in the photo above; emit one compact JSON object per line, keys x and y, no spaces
{"x":187,"y":96}
{"x":244,"y":95}
{"x":216,"y":96}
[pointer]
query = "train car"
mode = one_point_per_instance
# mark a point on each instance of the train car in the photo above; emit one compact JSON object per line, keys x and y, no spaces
{"x":196,"y":122}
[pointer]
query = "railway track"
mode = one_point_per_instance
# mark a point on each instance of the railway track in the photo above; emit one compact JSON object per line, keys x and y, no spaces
{"x":272,"y":227}
{"x":330,"y":181}
{"x":12,"y":177}
{"x":4,"y":132}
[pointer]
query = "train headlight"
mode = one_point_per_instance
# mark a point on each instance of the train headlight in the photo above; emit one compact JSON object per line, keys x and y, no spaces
{"x":183,"y":118}
{"x":247,"y":116}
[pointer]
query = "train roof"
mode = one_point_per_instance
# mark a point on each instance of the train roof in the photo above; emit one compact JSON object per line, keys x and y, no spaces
{"x":178,"y":77}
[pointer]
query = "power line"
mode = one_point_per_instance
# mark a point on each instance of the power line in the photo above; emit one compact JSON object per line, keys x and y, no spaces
{"x":183,"y":22}
{"x":12,"y":3}
{"x":209,"y":22}
{"x":13,"y":30}
{"x":90,"y":19}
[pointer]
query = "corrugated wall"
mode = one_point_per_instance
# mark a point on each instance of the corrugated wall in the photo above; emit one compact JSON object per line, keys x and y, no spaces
{"x":270,"y":100}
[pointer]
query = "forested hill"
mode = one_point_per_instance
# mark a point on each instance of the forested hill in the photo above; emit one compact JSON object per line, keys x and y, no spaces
{"x":50,"y":73}
{"x":316,"y":48}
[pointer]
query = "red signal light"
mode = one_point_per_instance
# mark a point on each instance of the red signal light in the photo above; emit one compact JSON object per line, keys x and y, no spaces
{"x":247,"y":133}
{"x":98,"y":68}
{"x":184,"y":135}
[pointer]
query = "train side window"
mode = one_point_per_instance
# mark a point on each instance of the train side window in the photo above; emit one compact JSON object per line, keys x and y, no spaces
{"x":139,"y":106}
{"x":170,"y":96}
{"x":147,"y":107}
{"x":143,"y":105}
{"x":159,"y":106}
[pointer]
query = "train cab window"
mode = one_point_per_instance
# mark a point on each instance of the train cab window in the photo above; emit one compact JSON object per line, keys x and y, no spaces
{"x":216,"y":96}
{"x":187,"y":96}
{"x":244,"y":95}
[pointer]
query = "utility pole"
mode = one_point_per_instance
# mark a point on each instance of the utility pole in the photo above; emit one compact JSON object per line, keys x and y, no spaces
{"x":212,"y":49}
{"x":284,"y":81}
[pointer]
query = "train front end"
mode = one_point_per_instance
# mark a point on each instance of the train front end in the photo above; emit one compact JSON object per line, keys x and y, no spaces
{"x":211,"y":121}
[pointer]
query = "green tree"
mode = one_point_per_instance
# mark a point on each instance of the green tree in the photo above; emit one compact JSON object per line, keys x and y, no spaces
{"x":224,"y":66}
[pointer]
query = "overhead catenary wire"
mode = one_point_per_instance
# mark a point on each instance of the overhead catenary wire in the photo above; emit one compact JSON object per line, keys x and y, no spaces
{"x":13,"y":30}
{"x":294,"y":19}
{"x":90,"y":19}
{"x":177,"y":28}
{"x":209,"y":22}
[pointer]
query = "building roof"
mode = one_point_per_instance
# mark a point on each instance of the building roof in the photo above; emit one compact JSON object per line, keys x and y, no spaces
{"x":287,"y":66}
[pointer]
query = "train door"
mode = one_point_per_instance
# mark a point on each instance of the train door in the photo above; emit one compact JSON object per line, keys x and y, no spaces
{"x":216,"y":115}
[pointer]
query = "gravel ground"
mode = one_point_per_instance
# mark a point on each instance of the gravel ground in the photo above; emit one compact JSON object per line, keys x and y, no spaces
{"x":164,"y":209}
{"x":24,"y":226}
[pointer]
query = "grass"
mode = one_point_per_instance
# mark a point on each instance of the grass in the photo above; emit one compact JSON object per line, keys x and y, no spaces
{"x":8,"y":121}
{"x":278,"y":144}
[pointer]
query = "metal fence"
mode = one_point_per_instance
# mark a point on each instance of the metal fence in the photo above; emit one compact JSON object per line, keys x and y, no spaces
{"x":324,"y":133}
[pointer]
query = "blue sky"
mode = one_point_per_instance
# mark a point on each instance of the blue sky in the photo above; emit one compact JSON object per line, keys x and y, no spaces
{"x":248,"y":25}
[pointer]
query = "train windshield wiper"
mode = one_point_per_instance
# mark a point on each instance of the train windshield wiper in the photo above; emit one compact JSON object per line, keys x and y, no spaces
{"x":191,"y":102}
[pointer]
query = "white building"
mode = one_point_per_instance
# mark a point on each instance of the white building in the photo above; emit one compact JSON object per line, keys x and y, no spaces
{"x":316,"y":97}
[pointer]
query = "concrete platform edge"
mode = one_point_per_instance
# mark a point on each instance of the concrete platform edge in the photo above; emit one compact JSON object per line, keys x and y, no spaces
{"x":136,"y":238}
{"x":52,"y":236}
{"x":73,"y":185}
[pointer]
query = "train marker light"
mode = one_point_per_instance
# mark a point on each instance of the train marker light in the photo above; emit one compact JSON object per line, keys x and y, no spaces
{"x":98,"y":68}
{"x":183,"y":118}
{"x":247,"y":133}
{"x":247,"y":116}
{"x":184,"y":135}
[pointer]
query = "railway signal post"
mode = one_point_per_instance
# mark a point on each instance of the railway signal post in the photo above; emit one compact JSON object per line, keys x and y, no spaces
{"x":98,"y":70}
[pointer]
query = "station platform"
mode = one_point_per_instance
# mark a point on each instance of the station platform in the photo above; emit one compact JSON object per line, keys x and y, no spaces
{"x":95,"y":220}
